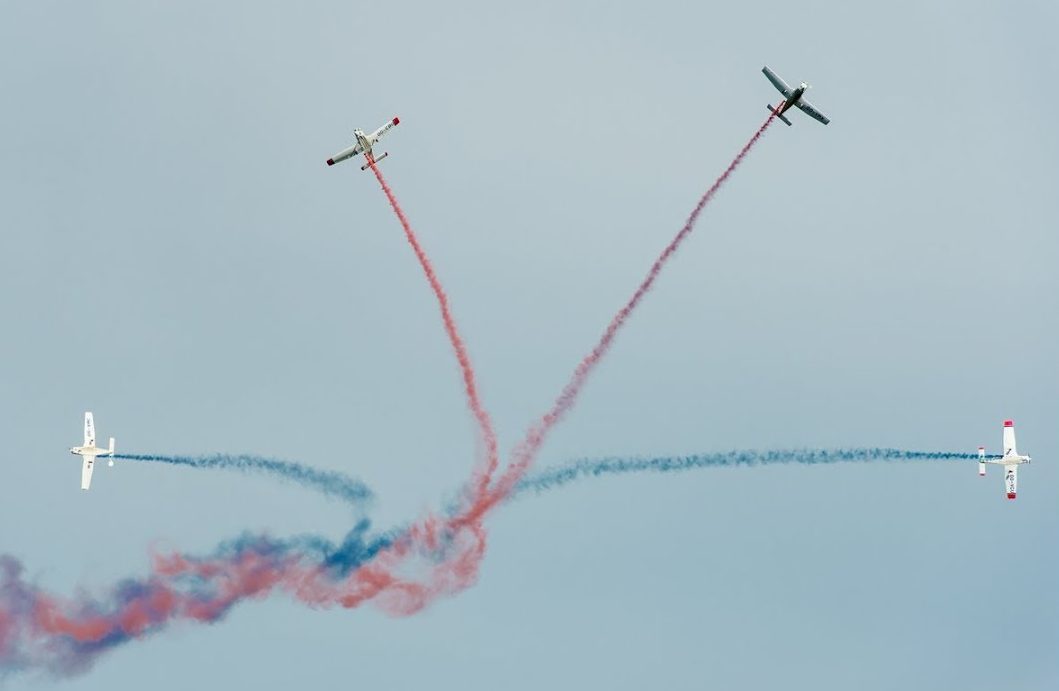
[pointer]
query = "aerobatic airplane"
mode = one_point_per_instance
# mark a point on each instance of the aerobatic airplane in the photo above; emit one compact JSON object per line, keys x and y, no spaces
{"x":792,"y":97}
{"x":363,"y":146}
{"x":89,"y":451}
{"x":1011,"y":460}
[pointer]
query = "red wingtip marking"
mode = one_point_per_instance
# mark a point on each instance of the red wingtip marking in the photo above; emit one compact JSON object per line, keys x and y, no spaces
{"x":1009,"y":423}
{"x":397,"y":121}
{"x":1011,"y":495}
{"x":330,"y":161}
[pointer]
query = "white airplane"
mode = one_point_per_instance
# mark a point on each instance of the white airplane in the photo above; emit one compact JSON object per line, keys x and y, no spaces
{"x":363,"y":146}
{"x":89,"y":451}
{"x":792,"y":97}
{"x":1011,"y":460}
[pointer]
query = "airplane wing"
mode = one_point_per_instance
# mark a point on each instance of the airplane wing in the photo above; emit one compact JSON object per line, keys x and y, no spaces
{"x":86,"y":471}
{"x":1011,"y":480}
{"x":781,"y":85}
{"x":90,"y":430}
{"x":1009,"y":438}
{"x":812,"y":112}
{"x":384,"y":129}
{"x":344,"y":154}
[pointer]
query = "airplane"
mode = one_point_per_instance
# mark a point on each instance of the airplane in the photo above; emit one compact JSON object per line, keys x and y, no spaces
{"x":792,"y":97}
{"x":1011,"y":460}
{"x":89,"y":451}
{"x":363,"y":146}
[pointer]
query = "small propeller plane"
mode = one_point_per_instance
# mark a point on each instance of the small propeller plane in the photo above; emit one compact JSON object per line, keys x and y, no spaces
{"x":89,"y":451}
{"x":364,"y":144}
{"x":792,"y":97}
{"x":1011,"y":460}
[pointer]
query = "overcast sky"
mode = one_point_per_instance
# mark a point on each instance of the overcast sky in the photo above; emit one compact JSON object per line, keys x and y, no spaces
{"x":180,"y":261}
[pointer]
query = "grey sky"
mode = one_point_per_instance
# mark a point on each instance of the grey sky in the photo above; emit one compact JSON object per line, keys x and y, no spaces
{"x":180,"y":260}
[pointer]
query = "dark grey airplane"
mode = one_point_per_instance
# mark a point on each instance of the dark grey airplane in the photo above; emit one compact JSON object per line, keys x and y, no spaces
{"x":792,"y":97}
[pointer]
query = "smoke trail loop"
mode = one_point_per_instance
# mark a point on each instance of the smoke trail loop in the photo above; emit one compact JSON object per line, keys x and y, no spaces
{"x":40,"y":631}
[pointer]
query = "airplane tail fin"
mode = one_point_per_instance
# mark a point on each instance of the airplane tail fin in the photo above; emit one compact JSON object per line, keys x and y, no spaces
{"x":778,"y":114}
{"x":366,"y":165}
{"x":981,"y":461}
{"x":111,"y":446}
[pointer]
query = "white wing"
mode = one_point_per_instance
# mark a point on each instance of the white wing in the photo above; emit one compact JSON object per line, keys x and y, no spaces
{"x":384,"y":129}
{"x":344,"y":154}
{"x":86,"y":471}
{"x":780,"y":85}
{"x":1011,"y":480}
{"x":90,"y":430}
{"x":812,"y":112}
{"x":1009,"y":438}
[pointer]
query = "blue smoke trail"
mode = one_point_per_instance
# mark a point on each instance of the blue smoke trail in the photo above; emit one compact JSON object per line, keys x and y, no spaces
{"x":553,"y":478}
{"x":327,"y":482}
{"x":41,"y":632}
{"x":65,"y":636}
{"x":346,"y":488}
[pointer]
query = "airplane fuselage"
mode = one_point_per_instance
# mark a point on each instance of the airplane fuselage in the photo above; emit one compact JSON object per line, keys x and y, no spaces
{"x":365,"y":142}
{"x":89,"y":451}
{"x":794,"y":98}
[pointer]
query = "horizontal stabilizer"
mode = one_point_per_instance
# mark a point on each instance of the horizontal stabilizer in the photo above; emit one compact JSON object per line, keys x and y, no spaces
{"x":778,"y":114}
{"x":367,"y":165}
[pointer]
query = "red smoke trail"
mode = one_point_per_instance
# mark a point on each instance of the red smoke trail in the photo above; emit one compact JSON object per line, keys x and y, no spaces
{"x":464,"y":532}
{"x":470,"y":386}
{"x":526,"y":451}
{"x":40,"y":630}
